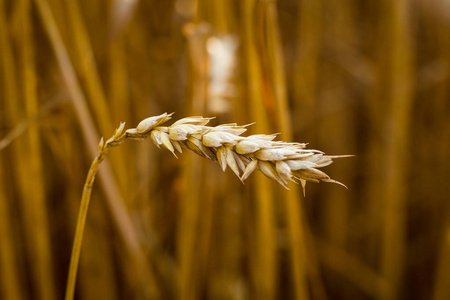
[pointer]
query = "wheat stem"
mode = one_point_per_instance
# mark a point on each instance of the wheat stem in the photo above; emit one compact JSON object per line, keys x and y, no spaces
{"x":76,"y":248}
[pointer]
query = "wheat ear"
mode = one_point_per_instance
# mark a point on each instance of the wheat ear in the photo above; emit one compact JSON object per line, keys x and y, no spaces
{"x":277,"y":160}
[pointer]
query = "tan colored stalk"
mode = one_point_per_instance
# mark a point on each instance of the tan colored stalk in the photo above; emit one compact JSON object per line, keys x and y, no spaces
{"x":10,"y":280}
{"x":265,"y":257}
{"x":296,"y":227}
{"x":344,"y":28}
{"x":37,"y":211}
{"x":279,"y":161}
{"x":398,"y":143}
{"x":310,"y":31}
{"x":189,"y":235}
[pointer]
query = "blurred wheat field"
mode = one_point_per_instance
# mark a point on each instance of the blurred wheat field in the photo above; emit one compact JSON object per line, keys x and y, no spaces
{"x":370,"y":78}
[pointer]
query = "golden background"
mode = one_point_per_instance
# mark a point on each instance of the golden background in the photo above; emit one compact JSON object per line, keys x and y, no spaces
{"x":369,"y":78}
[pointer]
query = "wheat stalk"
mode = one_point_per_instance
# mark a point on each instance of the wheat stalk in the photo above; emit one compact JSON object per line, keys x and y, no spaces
{"x":280,"y":161}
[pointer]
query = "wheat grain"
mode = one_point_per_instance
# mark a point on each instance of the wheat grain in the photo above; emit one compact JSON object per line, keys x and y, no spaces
{"x":280,"y":161}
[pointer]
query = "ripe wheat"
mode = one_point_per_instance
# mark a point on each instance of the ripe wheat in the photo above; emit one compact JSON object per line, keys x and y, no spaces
{"x":277,"y":160}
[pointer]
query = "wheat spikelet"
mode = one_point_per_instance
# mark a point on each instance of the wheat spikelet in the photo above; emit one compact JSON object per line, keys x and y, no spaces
{"x":280,"y":161}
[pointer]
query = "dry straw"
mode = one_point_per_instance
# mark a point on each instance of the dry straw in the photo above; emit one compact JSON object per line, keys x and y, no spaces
{"x":277,"y":160}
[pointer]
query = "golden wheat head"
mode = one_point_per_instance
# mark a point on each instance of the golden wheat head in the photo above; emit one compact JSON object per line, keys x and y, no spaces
{"x":280,"y":161}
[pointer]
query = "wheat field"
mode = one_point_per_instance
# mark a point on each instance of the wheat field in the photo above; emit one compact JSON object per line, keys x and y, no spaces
{"x":363,"y":78}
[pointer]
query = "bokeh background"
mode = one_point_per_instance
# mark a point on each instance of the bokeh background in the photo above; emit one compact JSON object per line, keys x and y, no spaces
{"x":370,"y":78}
